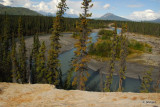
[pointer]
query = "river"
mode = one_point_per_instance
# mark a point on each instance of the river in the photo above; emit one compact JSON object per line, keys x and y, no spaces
{"x":93,"y":82}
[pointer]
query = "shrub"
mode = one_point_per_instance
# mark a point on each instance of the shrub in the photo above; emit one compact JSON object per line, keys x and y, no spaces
{"x":103,"y":48}
{"x":106,"y":34}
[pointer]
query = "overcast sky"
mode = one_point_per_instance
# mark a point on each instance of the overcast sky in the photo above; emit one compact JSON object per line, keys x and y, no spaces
{"x":131,"y":9}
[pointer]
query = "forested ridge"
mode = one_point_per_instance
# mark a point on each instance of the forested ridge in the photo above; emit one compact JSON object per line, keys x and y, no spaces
{"x":146,"y":28}
{"x":43,"y":24}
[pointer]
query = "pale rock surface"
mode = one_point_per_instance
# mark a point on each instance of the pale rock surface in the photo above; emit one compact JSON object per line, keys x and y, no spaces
{"x":44,"y":95}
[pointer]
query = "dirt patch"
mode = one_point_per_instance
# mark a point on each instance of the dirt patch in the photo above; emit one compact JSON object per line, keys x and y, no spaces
{"x":114,"y":99}
{"x":124,"y":97}
{"x":134,"y":98}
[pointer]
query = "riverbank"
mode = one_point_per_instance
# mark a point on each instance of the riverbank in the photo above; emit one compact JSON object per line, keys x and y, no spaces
{"x":134,"y":70}
{"x":66,"y":41}
{"x":38,"y":95}
{"x":137,"y":65}
{"x":147,"y":58}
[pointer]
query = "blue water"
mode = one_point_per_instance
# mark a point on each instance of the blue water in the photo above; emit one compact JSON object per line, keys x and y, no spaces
{"x":93,"y":83}
{"x":65,"y":58}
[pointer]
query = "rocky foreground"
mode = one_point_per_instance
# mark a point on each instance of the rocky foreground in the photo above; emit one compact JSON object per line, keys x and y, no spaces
{"x":44,"y":95}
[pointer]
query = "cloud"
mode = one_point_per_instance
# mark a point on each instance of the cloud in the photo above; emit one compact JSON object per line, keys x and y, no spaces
{"x":144,"y":15}
{"x":6,"y":2}
{"x":74,"y":7}
{"x":106,"y":6}
{"x":134,"y":6}
{"x":50,"y":6}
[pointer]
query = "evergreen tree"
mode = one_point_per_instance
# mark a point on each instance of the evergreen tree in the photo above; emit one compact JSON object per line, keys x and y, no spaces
{"x":53,"y":62}
{"x":146,"y":81}
{"x":14,"y":60}
{"x":123,"y":56}
{"x":81,"y":59}
{"x":22,"y":72}
{"x":41,"y":64}
{"x":33,"y":58}
{"x":156,"y":87}
{"x":109,"y":77}
{"x":1,"y":51}
{"x":5,"y":52}
{"x":69,"y":77}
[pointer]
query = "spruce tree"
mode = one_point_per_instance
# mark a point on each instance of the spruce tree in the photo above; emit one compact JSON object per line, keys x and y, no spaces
{"x":33,"y":57}
{"x":123,"y":56}
{"x":14,"y":60}
{"x":5,"y":52}
{"x":156,"y":87}
{"x":146,"y":81}
{"x":69,"y":77}
{"x":81,"y":55}
{"x":109,"y":77}
{"x":41,"y":65}
{"x":53,"y":72}
{"x":1,"y":51}
{"x":22,"y":72}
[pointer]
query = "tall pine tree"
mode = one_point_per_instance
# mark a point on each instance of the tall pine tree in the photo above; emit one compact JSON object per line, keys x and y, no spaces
{"x":41,"y":65}
{"x":1,"y":58}
{"x":109,"y":77}
{"x":14,"y":60}
{"x":123,"y":56}
{"x":146,"y":81}
{"x":22,"y":72}
{"x":53,"y":72}
{"x":5,"y":52}
{"x":33,"y":58}
{"x":156,"y":87}
{"x":80,"y":62}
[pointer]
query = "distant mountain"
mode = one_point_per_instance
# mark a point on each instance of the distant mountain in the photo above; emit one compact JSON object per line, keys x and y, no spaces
{"x":1,"y":5}
{"x":17,"y":11}
{"x":71,"y":15}
{"x":25,"y":11}
{"x":110,"y":16}
{"x":54,"y":14}
{"x":46,"y":14}
{"x":157,"y":20}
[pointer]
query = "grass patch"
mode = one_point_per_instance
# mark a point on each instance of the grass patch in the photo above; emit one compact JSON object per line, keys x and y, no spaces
{"x":137,"y":47}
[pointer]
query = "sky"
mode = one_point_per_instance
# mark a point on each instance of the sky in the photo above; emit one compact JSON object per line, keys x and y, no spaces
{"x":132,"y":9}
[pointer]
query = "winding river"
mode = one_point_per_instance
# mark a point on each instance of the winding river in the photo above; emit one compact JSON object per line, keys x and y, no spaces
{"x":93,"y":82}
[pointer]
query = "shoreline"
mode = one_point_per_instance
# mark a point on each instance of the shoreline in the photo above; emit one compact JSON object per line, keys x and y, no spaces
{"x":134,"y":70}
{"x":66,"y":41}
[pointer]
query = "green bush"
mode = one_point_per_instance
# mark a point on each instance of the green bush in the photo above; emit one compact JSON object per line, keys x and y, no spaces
{"x":140,"y":46}
{"x":103,"y":48}
{"x":106,"y":34}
